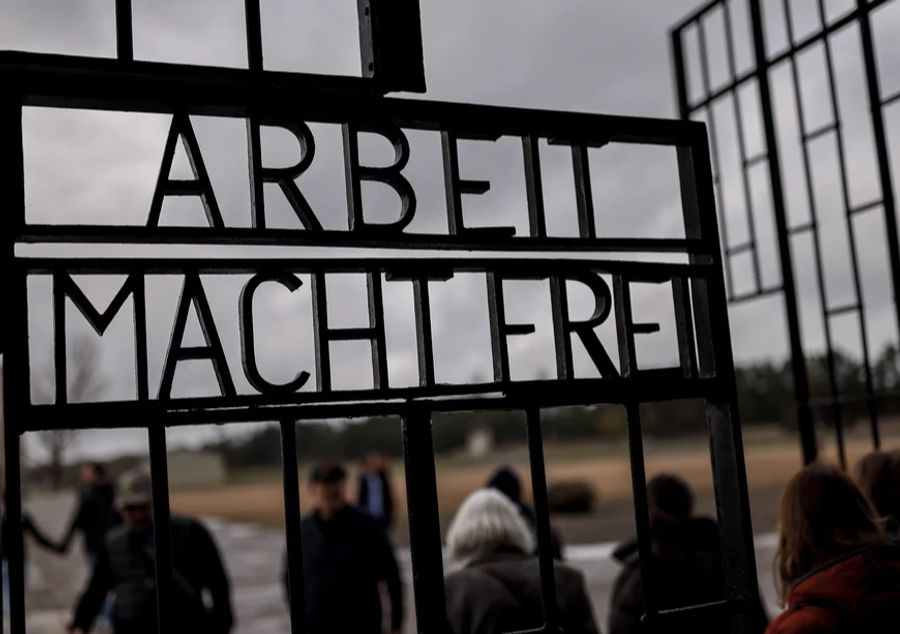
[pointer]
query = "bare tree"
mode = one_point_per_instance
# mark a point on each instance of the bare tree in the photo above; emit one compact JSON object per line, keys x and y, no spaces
{"x":85,"y":383}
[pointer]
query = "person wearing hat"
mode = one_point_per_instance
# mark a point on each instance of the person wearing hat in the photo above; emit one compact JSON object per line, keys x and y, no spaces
{"x":346,"y":556}
{"x":126,"y":566}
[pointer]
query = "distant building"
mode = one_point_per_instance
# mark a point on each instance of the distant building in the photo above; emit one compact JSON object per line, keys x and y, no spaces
{"x":479,"y":443}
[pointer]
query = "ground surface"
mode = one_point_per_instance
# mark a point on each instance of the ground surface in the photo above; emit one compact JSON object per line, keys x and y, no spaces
{"x":253,"y":558}
{"x":246,"y":518}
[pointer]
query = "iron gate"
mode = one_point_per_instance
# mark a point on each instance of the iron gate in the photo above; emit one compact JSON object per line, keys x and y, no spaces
{"x":701,"y":95}
{"x":690,"y":266}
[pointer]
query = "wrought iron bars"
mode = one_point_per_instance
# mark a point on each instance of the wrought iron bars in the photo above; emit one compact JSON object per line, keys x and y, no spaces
{"x":759,"y":76}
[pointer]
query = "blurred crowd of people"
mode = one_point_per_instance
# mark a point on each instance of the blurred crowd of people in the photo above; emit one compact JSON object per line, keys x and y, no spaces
{"x":837,"y":564}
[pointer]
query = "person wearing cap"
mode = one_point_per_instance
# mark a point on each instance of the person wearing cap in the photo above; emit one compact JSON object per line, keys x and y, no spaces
{"x":126,"y":566}
{"x":346,"y":557}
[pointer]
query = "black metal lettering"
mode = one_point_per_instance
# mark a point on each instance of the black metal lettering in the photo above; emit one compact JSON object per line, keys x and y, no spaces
{"x":374,"y":333}
{"x":284,"y":177}
{"x":564,"y":327}
{"x":627,"y":328}
{"x":200,"y":185}
{"x":193,"y":294}
{"x":684,"y":326}
{"x":534,"y":186}
{"x":584,"y":194}
{"x":390,"y":175}
{"x":64,"y":286}
{"x":500,"y":329}
{"x":424,"y":336}
{"x":455,"y":187}
{"x":248,"y":347}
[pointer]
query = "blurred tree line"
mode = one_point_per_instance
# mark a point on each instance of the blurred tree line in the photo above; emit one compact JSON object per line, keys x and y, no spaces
{"x":765,"y":393}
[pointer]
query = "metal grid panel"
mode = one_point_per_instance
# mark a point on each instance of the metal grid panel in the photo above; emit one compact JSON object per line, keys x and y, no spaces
{"x":759,"y":78}
{"x":705,"y":370}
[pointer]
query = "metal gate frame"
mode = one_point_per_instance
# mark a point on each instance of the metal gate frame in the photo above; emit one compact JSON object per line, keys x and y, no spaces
{"x":705,"y":371}
{"x":765,"y":62}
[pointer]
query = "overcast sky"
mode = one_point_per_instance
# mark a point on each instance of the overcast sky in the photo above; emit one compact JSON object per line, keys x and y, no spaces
{"x":603,"y":57}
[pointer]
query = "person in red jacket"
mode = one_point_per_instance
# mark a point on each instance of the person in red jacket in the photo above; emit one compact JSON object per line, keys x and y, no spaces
{"x":837,"y":570}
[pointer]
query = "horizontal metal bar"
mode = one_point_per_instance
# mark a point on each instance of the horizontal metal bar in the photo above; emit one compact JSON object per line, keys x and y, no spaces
{"x":840,"y":310}
{"x":892,"y":99}
{"x":756,"y":160}
{"x":746,"y":297}
{"x":711,"y":605}
{"x":106,"y":234}
{"x":513,"y":267}
{"x":740,"y":248}
{"x":873,"y":204}
{"x":646,"y":386}
{"x":82,"y":82}
{"x":803,"y":228}
{"x":822,"y":131}
{"x":810,"y":40}
{"x":696,"y":15}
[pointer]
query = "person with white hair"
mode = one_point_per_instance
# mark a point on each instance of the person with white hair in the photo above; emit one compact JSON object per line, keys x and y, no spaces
{"x":497,"y":587}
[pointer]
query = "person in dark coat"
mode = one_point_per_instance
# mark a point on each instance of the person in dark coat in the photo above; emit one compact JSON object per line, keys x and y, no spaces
{"x":878,"y":475}
{"x":125,"y":566}
{"x":506,"y":481}
{"x":838,"y":572}
{"x":686,"y":566}
{"x":375,"y":494}
{"x":346,"y":559}
{"x":498,"y":586}
{"x":95,"y":512}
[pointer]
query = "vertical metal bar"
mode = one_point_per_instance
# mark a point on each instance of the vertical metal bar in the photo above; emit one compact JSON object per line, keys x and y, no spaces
{"x":140,"y":338}
{"x":624,"y":323}
{"x":15,"y":548}
{"x":873,"y":89}
{"x":424,"y":522}
{"x":684,"y":326}
{"x":16,"y":365}
{"x":124,"y":31}
{"x":291,"y":484}
{"x":497,"y":312}
{"x":714,"y":144}
{"x":723,"y":420}
{"x":534,"y":186}
{"x":60,"y":369}
{"x":742,"y":145}
{"x":836,"y":410}
{"x":424,"y":336}
{"x":641,"y":513}
{"x":162,"y":535}
{"x":681,"y":78}
{"x":851,"y":233}
{"x":559,"y":301}
{"x":254,"y":35}
{"x":542,"y":511}
{"x":320,"y":327}
{"x":581,"y":166}
{"x":376,"y":323}
{"x":792,"y":312}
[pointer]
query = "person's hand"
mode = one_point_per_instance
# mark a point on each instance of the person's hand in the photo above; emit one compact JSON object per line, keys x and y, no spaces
{"x":76,"y":630}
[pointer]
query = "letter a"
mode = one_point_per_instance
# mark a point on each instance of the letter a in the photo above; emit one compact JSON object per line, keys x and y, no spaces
{"x":199,"y":186}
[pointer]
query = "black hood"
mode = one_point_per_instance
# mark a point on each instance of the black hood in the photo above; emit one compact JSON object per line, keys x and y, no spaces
{"x":507,"y":482}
